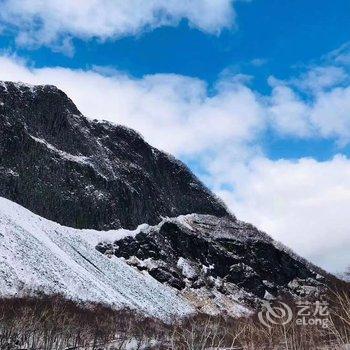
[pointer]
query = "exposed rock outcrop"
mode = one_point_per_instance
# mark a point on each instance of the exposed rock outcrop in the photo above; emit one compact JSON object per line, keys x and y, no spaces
{"x":204,"y":254}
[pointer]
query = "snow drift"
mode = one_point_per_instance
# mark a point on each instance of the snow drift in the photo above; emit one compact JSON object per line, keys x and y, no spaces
{"x":38,"y":254}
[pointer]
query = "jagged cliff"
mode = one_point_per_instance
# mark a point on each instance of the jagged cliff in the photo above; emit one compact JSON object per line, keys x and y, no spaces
{"x":88,"y":174}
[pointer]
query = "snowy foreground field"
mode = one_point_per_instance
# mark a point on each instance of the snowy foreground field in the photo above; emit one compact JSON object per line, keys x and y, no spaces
{"x":39,"y":255}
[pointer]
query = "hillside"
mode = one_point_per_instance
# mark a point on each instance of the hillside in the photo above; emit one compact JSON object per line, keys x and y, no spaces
{"x":38,"y":255}
{"x":172,"y":249}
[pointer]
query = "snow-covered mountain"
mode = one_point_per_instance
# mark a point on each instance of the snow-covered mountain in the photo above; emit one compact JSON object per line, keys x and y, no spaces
{"x":172,"y":249}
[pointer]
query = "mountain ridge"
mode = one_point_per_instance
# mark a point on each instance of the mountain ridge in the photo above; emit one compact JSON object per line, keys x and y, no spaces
{"x":87,"y":173}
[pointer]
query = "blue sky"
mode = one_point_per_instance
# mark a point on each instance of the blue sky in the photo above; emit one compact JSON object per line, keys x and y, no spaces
{"x":263,"y":85}
{"x":279,"y":38}
{"x":287,"y":34}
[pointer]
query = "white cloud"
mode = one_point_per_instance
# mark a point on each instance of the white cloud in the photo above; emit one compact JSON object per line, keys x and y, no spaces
{"x":340,"y":55}
{"x":41,"y":22}
{"x":320,"y":78}
{"x":258,"y":62}
{"x":316,"y":104}
{"x":303,"y":203}
{"x":331,"y":114}
{"x":288,"y":113}
{"x":175,"y":113}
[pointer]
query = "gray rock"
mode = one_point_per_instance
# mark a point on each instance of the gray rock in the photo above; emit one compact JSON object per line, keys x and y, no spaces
{"x":233,"y":256}
{"x":87,"y":173}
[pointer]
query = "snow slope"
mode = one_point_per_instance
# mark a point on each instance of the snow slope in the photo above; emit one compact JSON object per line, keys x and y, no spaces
{"x":38,"y":254}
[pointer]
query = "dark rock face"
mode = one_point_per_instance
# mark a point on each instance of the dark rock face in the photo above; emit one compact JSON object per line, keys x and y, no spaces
{"x":216,"y":253}
{"x":88,"y":174}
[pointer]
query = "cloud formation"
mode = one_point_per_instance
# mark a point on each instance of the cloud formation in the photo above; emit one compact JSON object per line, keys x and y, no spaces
{"x":302,"y":203}
{"x":54,"y":22}
{"x":175,"y":113}
{"x":315,"y":104}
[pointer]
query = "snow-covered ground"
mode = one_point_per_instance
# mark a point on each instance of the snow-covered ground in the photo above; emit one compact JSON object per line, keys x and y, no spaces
{"x":38,"y":254}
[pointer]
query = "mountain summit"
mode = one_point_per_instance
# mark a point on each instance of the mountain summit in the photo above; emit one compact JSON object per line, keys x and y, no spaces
{"x":87,"y":173}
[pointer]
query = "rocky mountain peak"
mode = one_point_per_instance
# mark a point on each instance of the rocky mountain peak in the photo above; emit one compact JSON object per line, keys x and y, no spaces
{"x":87,"y":173}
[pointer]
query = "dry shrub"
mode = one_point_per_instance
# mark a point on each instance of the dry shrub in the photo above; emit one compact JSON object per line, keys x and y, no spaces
{"x":205,"y":332}
{"x":248,"y":333}
{"x":54,"y":323}
{"x":340,"y":316}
